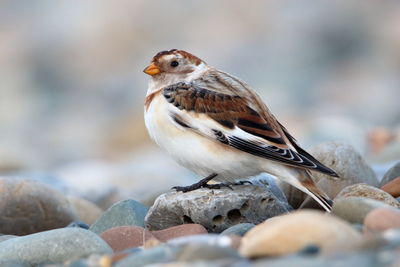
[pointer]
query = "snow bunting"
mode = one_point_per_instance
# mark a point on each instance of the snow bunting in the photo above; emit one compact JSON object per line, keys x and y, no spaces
{"x":215,"y":125}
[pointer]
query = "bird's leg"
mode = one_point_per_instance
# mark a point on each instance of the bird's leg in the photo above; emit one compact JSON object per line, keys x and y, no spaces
{"x":202,"y":183}
{"x":242,"y":183}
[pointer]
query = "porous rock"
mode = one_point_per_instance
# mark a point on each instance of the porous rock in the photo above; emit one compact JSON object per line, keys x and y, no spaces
{"x":216,"y":209}
{"x":28,"y":207}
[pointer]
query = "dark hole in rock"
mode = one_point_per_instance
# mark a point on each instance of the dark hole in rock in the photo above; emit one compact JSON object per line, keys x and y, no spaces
{"x":218,"y":219}
{"x":245,"y":206}
{"x":234,"y":216}
{"x":187,"y":219}
{"x":265,"y":200}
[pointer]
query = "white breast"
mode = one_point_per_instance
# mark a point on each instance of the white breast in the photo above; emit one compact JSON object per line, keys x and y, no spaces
{"x":200,"y":154}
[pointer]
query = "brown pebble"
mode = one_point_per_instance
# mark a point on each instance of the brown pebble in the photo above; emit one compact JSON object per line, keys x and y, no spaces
{"x":381,"y":219}
{"x":178,"y":231}
{"x":124,"y":237}
{"x":392,"y":187}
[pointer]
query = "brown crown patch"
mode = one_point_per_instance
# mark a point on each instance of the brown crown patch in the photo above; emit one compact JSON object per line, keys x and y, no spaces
{"x":187,"y":55}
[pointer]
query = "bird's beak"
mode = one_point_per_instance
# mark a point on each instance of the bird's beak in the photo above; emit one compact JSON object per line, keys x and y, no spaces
{"x":152,"y":69}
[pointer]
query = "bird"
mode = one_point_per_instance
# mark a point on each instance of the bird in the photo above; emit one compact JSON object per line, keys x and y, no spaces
{"x":215,"y":125}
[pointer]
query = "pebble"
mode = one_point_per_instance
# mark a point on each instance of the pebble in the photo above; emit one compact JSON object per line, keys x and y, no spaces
{"x":216,"y":209}
{"x":194,"y":252}
{"x":392,"y":187}
{"x":382,"y":219}
{"x":179,"y":231}
{"x":363,"y":259}
{"x":28,"y":207}
{"x":345,"y":161}
{"x":207,"y":239}
{"x":79,"y":224}
{"x":367,"y":191}
{"x":124,"y":213}
{"x":238,"y":229}
{"x":56,"y":246}
{"x":6,"y":237}
{"x":125,"y":237}
{"x":156,"y":255}
{"x":355,"y":209}
{"x":291,"y":233}
{"x":391,"y":174}
{"x":87,"y":211}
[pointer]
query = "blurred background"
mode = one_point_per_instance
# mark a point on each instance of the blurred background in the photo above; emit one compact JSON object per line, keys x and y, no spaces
{"x":72,"y":86}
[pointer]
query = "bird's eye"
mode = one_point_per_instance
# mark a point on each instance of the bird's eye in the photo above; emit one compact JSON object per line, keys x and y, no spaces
{"x":174,"y":63}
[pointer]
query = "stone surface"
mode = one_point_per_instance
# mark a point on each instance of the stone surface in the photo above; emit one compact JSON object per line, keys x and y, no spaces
{"x":87,"y":211}
{"x":156,"y":255}
{"x":179,"y":231}
{"x":238,"y":229}
{"x":54,"y":246}
{"x":124,"y":213}
{"x":206,"y":239}
{"x":79,"y":225}
{"x":367,"y":191}
{"x":217,"y":209}
{"x":391,"y":174}
{"x":355,"y":209}
{"x":345,"y":260}
{"x":28,"y":207}
{"x":125,"y":237}
{"x":342,"y":158}
{"x":195,"y":252}
{"x":382,"y":219}
{"x":6,"y":237}
{"x":292,"y":232}
{"x":392,"y":187}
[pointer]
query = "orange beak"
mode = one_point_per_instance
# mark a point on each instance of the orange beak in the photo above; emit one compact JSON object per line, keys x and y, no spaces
{"x":152,"y":69}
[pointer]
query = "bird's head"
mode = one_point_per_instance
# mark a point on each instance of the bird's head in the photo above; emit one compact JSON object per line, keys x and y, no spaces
{"x":174,"y":66}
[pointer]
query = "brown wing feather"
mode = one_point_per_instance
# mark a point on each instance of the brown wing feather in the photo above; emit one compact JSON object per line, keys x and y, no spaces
{"x":228,"y":110}
{"x":233,"y":111}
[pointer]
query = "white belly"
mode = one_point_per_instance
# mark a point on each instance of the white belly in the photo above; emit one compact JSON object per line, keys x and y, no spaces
{"x":200,"y":154}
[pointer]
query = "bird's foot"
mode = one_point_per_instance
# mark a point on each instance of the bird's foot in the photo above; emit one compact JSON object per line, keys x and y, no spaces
{"x":203,"y":183}
{"x":195,"y":186}
{"x":242,"y":183}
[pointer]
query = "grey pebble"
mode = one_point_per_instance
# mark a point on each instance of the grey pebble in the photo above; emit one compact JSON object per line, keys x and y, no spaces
{"x":124,"y":213}
{"x":54,"y":246}
{"x":392,"y":173}
{"x":354,"y":209}
{"x":238,"y":229}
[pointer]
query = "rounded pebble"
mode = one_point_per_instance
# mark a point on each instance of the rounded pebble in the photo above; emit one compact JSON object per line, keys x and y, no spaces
{"x":292,"y":232}
{"x":382,"y":219}
{"x":56,"y":246}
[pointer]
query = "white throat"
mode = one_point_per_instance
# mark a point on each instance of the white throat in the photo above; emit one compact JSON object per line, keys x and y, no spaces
{"x":172,"y":78}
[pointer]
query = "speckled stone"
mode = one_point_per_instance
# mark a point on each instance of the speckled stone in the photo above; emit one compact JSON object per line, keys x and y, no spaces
{"x":367,"y":191}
